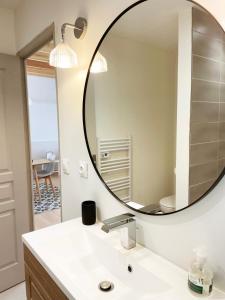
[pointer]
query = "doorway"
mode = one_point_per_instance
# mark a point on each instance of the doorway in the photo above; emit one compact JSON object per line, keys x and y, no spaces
{"x":44,"y":137}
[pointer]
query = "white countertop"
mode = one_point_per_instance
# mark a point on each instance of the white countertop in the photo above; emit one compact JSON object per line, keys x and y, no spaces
{"x":66,"y":252}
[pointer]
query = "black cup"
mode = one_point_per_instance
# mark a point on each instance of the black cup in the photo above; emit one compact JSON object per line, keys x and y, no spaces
{"x":88,"y":212}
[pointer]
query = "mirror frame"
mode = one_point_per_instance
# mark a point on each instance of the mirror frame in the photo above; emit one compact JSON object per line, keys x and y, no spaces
{"x":84,"y":115}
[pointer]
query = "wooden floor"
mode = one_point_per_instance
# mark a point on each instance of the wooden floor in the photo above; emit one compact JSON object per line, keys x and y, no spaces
{"x":48,"y":218}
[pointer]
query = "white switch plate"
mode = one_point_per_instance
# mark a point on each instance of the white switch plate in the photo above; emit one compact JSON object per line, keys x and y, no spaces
{"x":83,"y":169}
{"x":66,"y":166}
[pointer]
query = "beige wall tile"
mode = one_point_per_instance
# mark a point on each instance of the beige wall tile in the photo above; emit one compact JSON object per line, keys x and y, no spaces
{"x":207,"y":65}
{"x":205,"y":69}
{"x":221,"y":153}
{"x":204,"y":23}
{"x":222,"y":92}
{"x":198,"y":190}
{"x":204,"y":132}
{"x":206,"y":46}
{"x":205,"y":91}
{"x":221,"y":166}
{"x":202,"y":173}
{"x":204,"y":153}
{"x":222,"y":112}
{"x":222,"y":131}
{"x":223,"y":50}
{"x":222,"y":72}
{"x":204,"y":112}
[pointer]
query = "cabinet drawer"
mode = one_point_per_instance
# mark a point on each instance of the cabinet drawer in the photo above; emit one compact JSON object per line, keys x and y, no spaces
{"x":39,"y":285}
{"x":35,"y":294}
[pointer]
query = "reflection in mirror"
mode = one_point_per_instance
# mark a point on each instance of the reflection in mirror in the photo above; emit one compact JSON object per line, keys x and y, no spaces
{"x":155,"y":120}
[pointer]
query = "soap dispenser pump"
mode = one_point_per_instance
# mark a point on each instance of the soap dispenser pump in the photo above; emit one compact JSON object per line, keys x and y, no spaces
{"x":200,"y":279}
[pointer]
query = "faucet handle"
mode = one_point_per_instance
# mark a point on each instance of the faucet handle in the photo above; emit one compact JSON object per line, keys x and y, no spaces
{"x":123,"y":218}
{"x":127,"y":216}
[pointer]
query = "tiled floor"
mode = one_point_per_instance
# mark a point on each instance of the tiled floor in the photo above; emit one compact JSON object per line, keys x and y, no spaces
{"x":16,"y":293}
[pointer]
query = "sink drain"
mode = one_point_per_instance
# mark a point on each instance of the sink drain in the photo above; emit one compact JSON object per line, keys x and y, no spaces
{"x":106,"y":286}
{"x":130,"y":269}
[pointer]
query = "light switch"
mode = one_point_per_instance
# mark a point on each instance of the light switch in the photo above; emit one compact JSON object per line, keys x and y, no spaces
{"x":83,"y":169}
{"x":66,"y":166}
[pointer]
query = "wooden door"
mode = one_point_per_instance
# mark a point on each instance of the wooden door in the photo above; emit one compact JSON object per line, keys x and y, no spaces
{"x":15,"y":183}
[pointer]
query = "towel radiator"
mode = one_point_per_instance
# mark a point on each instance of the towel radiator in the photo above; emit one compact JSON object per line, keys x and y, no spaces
{"x":114,"y":162}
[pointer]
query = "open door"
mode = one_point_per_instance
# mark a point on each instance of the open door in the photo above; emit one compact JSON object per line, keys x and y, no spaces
{"x":44,"y":151}
{"x":14,"y":176}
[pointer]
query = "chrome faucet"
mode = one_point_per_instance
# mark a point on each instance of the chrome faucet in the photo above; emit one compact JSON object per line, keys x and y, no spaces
{"x":128,"y":225}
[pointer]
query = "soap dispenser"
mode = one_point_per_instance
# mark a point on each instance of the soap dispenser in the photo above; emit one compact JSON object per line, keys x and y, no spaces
{"x":207,"y":275}
{"x":200,"y":278}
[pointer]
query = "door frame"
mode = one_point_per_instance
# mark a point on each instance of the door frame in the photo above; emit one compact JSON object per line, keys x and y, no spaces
{"x":34,"y":45}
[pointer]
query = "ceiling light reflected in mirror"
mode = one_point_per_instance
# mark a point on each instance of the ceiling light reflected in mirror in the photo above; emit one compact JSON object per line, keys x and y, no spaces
{"x":99,"y":64}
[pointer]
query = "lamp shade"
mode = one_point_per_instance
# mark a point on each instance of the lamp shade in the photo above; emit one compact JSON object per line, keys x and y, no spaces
{"x":63,"y":56}
{"x":99,"y":64}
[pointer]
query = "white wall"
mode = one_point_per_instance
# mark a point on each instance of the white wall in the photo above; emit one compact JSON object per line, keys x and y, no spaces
{"x":172,"y":236}
{"x":137,"y":97}
{"x":7,"y":31}
{"x":42,"y":115}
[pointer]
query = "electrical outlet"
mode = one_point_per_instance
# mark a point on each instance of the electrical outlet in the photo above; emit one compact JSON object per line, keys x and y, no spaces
{"x":83,"y":169}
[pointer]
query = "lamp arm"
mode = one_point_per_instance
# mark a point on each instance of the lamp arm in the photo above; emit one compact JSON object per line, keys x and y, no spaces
{"x":79,"y":28}
{"x":68,"y":25}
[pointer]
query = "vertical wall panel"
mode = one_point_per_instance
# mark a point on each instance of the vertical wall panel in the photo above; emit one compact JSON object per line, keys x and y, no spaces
{"x":207,"y":111}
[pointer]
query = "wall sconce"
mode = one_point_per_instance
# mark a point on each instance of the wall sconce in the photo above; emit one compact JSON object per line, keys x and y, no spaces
{"x":99,"y":64}
{"x":63,"y":56}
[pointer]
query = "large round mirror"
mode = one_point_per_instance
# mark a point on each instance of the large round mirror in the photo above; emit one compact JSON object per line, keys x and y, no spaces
{"x":154,"y":106}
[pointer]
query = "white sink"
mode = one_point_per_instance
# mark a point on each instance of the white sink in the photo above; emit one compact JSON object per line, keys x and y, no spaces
{"x":79,"y":257}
